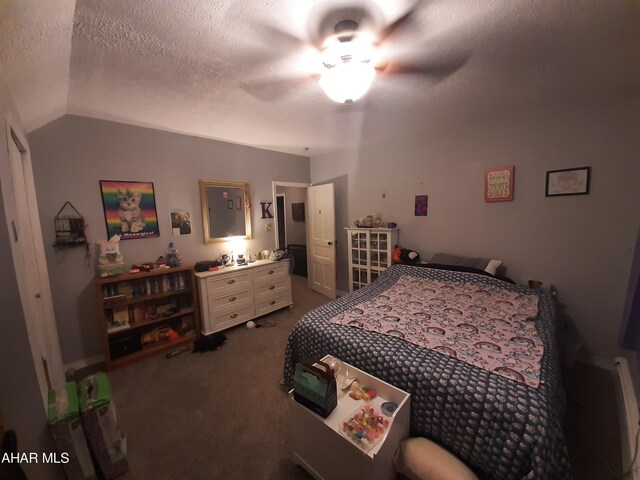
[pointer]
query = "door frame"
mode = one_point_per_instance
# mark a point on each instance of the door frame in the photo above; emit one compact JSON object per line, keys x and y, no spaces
{"x":277,"y":219}
{"x":274,"y":187}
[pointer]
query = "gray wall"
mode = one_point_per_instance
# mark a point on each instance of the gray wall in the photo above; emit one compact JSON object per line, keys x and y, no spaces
{"x":71,"y":155}
{"x":581,"y":244}
{"x":20,"y":398}
{"x":296,"y":231}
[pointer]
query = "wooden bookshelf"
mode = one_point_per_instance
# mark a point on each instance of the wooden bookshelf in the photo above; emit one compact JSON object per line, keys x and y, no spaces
{"x":139,"y":312}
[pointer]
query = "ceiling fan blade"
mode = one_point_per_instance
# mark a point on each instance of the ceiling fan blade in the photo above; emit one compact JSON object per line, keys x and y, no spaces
{"x":436,"y":69}
{"x":404,"y":21}
{"x":275,"y":88}
{"x":279,"y":37}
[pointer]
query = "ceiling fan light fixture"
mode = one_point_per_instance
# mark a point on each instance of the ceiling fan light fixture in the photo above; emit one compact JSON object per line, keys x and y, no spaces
{"x":347,"y":81}
{"x":348,"y":71}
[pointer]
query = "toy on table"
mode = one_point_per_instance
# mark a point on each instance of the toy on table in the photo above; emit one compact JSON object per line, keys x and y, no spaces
{"x":361,"y":393}
{"x":110,"y":260}
{"x":172,"y":334}
{"x":365,"y":427}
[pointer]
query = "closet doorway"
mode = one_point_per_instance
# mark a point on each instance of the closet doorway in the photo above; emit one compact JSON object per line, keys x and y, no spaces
{"x":290,"y":201}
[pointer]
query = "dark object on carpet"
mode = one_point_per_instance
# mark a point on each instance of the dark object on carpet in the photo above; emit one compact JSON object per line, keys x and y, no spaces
{"x":11,"y":471}
{"x":209,"y":342}
{"x":265,"y":323}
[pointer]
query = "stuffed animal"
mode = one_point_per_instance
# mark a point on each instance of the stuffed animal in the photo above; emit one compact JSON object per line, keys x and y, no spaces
{"x":406,"y":256}
{"x":110,"y":260}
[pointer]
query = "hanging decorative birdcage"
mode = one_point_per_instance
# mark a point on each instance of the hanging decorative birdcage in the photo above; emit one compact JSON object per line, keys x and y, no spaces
{"x":69,"y":227}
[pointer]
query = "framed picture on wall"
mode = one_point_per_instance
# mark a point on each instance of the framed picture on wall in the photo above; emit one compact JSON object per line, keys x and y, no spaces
{"x":498,"y":184}
{"x":180,"y":223}
{"x":129,"y":209}
{"x":230,"y":204}
{"x":421,"y":205}
{"x":568,"y":181}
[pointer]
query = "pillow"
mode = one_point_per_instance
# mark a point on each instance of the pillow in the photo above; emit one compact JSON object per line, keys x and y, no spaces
{"x":488,"y":265}
{"x":421,"y":459}
{"x":456,"y":268}
{"x":459,"y":268}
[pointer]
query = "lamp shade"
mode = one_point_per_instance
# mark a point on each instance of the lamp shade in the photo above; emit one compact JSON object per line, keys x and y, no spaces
{"x":346,"y":82}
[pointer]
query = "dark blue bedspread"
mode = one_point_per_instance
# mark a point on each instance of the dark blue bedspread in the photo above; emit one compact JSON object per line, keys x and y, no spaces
{"x":500,"y":428}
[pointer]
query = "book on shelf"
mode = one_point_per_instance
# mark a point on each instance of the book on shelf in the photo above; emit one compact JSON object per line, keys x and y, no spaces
{"x":117,"y":328}
{"x":118,"y":320}
{"x":166,"y":284}
{"x":126,"y":288}
{"x":139,"y":314}
{"x":112,"y":298}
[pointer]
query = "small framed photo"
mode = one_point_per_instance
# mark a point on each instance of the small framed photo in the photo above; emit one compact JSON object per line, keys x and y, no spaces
{"x":568,"y":181}
{"x":230,"y":204}
{"x":181,"y":223}
{"x":421,"y":205}
{"x":498,"y":184}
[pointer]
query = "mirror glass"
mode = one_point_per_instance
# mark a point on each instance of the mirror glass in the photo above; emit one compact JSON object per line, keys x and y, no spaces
{"x":225,"y":210}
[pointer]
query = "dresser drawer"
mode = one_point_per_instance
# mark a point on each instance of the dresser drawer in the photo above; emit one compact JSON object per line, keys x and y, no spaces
{"x":233,"y":298}
{"x":231,"y":283}
{"x":282,"y":299}
{"x":219,"y":321}
{"x":271,"y":273}
{"x":277,"y":283}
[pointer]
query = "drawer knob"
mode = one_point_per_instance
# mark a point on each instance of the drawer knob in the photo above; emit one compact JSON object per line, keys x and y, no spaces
{"x":232,"y":299}
{"x":272,"y":302}
{"x":231,"y":281}
{"x":270,"y":272}
{"x":271,"y":287}
{"x":233,"y":315}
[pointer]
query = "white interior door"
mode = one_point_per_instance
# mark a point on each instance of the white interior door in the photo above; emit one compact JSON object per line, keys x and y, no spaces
{"x":322,"y":239}
{"x":31,"y":270}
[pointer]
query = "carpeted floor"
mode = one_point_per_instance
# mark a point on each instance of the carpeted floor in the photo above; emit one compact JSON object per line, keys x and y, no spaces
{"x":222,"y":414}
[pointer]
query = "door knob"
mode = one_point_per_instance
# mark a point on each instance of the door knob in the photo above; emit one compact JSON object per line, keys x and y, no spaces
{"x":330,"y":243}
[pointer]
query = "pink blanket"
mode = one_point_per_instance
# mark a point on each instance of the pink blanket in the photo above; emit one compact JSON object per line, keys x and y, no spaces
{"x":483,"y":325}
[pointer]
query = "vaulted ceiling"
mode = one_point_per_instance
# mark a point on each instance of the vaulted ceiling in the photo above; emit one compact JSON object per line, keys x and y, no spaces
{"x":199,"y":67}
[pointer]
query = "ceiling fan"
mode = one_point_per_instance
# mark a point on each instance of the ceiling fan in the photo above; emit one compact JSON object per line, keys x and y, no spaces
{"x":348,"y":39}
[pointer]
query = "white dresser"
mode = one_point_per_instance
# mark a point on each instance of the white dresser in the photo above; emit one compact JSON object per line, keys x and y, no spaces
{"x":234,"y":295}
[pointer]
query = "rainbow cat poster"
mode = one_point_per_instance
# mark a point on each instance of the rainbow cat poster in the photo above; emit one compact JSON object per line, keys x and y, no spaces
{"x":129,"y":209}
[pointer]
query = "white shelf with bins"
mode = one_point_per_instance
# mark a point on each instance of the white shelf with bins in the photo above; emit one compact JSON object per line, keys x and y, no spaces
{"x":370,"y":253}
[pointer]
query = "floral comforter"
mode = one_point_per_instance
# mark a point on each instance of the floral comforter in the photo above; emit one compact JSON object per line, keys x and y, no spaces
{"x":486,"y":326}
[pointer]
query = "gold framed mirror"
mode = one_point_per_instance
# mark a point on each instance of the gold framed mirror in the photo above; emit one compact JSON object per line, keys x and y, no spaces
{"x":226,"y":210}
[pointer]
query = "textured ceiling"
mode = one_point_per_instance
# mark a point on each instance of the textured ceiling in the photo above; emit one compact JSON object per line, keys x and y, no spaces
{"x":35,"y":48}
{"x":196,"y":67}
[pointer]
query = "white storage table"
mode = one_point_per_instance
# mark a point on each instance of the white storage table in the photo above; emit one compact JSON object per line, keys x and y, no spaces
{"x":326,"y":454}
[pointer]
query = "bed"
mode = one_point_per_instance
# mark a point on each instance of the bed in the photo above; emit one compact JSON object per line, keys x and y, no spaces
{"x":501,"y":424}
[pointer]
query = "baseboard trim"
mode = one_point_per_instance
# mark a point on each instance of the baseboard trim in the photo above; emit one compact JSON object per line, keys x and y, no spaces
{"x":628,"y":416}
{"x":84,"y":362}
